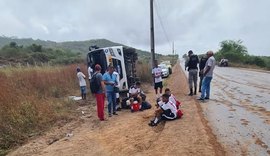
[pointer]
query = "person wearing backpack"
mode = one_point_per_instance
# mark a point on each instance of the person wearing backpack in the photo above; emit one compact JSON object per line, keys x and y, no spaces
{"x":98,"y":88}
{"x":192,"y":72}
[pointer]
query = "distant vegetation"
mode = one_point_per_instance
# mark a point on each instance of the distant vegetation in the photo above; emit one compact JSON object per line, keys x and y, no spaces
{"x":75,"y":47}
{"x":36,"y":55}
{"x":237,"y":54}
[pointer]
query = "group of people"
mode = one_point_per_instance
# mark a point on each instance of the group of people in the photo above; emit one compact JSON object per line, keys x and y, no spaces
{"x":107,"y":85}
{"x":206,"y":67}
{"x":103,"y":85}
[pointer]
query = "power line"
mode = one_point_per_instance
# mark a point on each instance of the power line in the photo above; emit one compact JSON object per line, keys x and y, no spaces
{"x":161,"y":23}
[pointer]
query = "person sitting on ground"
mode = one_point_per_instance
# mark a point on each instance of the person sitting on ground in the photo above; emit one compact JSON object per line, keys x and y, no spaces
{"x":166,"y":111}
{"x":136,"y":94}
{"x":172,"y":98}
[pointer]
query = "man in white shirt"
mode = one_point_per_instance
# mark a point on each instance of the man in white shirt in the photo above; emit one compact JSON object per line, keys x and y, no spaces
{"x":207,"y":76}
{"x":166,"y":111}
{"x":90,"y":72}
{"x":82,"y":83}
{"x":117,"y":95}
{"x":157,"y":73}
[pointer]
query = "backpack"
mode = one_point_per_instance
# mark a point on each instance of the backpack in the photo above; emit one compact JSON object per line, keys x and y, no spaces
{"x":94,"y":85}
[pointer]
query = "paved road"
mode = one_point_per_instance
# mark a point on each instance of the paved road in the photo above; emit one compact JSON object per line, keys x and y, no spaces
{"x":239,"y":110}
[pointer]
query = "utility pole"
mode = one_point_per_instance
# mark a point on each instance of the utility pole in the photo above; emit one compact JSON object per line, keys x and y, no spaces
{"x":173,"y":48}
{"x":152,"y":37}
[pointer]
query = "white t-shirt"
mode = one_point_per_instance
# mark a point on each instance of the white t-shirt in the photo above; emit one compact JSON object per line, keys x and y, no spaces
{"x":171,"y":106}
{"x":211,"y":62}
{"x":134,"y":90}
{"x":158,"y":73}
{"x":81,"y":77}
{"x":118,"y":84}
{"x":172,"y":99}
{"x":90,"y":72}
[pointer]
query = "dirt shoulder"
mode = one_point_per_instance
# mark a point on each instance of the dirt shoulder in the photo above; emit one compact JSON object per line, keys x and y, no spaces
{"x":129,"y":134}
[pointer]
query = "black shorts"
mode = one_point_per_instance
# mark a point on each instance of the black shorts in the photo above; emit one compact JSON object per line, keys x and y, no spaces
{"x":167,"y":114}
{"x":158,"y":85}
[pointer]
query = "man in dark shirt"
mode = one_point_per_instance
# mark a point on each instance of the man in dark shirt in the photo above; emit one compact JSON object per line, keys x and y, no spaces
{"x":192,"y":66}
{"x":201,"y":66}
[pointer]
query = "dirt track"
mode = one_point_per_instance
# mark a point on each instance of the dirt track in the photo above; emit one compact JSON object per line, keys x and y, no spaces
{"x":129,"y":134}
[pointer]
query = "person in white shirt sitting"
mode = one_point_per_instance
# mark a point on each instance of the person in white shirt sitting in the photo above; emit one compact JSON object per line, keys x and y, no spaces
{"x":173,"y":98}
{"x":135,"y":93}
{"x":167,"y":111}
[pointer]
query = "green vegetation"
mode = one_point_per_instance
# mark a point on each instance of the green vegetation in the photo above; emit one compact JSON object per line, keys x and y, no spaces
{"x":237,"y":54}
{"x":36,"y":54}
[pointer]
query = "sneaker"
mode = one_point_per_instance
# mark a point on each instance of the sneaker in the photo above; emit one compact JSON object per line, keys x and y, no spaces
{"x":152,"y":124}
{"x":207,"y":98}
{"x":115,"y":113}
{"x":201,"y":99}
{"x":110,"y":115}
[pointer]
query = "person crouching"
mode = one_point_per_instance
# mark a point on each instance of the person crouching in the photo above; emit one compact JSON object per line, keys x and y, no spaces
{"x":167,"y":111}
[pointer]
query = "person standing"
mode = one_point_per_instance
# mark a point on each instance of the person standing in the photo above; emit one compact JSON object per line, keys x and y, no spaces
{"x":207,"y":75}
{"x":117,"y":95}
{"x":100,"y":91}
{"x":157,"y":73}
{"x":90,"y":72}
{"x":110,"y":82}
{"x":201,"y":66}
{"x":82,"y":83}
{"x":192,"y":66}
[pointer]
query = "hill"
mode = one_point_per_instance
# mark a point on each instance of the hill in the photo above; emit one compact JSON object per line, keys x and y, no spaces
{"x":73,"y":46}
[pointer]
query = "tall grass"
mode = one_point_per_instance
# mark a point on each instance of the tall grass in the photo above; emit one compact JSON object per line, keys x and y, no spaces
{"x":144,"y":71}
{"x":31,"y":100}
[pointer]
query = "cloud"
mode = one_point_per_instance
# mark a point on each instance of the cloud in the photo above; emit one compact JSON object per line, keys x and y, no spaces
{"x":199,"y":25}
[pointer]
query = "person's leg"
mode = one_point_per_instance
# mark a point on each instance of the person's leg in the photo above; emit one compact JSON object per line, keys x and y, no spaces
{"x":200,"y":85}
{"x":81,"y":91}
{"x":195,"y":77}
{"x":208,"y":87}
{"x":109,"y":97}
{"x":100,"y":105}
{"x":114,"y":103}
{"x":156,"y":88}
{"x":160,"y":88}
{"x":203,"y":88}
{"x":190,"y":81}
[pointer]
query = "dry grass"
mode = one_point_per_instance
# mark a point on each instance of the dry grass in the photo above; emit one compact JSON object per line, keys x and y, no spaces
{"x":144,"y":71}
{"x":32,"y":100}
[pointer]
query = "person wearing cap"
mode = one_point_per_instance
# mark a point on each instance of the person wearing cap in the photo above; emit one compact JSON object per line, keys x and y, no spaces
{"x":207,"y":76}
{"x":82,"y":83}
{"x":110,"y":82}
{"x":192,"y":66}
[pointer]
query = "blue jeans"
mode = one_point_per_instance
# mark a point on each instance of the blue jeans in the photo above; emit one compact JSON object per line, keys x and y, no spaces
{"x":206,"y":87}
{"x":111,"y":96}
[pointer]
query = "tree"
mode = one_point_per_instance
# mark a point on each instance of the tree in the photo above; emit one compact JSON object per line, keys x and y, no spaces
{"x":235,"y":51}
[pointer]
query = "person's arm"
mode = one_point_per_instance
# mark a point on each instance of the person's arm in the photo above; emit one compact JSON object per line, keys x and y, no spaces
{"x":105,"y":80}
{"x":83,"y":75}
{"x":208,"y":67}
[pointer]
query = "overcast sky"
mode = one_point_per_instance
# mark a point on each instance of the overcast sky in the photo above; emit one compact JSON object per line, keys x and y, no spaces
{"x":199,"y":25}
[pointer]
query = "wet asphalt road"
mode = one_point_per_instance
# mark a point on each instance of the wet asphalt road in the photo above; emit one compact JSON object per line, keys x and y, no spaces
{"x":239,"y":110}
